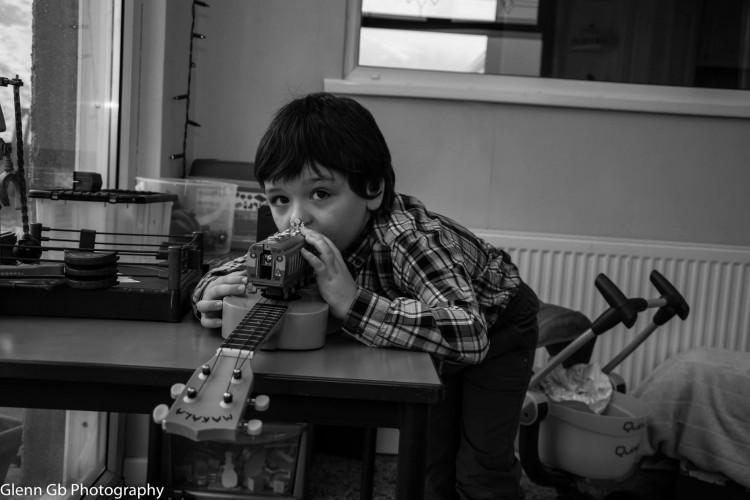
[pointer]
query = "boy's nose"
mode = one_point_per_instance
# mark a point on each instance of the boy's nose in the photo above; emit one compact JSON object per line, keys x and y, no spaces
{"x":298,"y":216}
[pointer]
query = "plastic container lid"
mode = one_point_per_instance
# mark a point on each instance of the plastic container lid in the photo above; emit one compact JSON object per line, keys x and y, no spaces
{"x":105,"y":195}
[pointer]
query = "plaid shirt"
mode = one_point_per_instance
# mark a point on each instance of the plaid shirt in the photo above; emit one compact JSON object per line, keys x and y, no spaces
{"x":425,"y":283}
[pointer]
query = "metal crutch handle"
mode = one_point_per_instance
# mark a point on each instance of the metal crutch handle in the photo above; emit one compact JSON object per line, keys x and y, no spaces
{"x":670,"y":303}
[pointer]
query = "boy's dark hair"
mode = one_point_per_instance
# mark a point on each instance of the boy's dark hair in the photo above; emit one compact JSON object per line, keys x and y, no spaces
{"x":323,"y":130}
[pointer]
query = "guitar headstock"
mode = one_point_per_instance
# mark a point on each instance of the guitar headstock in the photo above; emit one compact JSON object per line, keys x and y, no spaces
{"x":212,"y":403}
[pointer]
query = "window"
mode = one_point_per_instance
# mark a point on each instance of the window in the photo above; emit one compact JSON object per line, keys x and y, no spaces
{"x":67,"y":60}
{"x":675,"y":56}
{"x":467,"y":36}
{"x":70,"y":103}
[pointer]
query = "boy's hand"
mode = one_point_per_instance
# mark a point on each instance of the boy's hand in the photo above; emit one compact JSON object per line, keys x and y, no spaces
{"x":335,"y":282}
{"x":210,"y":305}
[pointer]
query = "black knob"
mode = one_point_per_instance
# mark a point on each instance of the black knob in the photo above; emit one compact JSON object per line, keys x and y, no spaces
{"x":191,"y":392}
{"x":228,"y":397}
{"x":206,"y":370}
{"x":237,"y":374}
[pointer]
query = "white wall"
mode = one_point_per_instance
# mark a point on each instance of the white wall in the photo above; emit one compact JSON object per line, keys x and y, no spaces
{"x":494,"y":166}
{"x":155,"y":70}
{"x":257,"y":55}
{"x":554,"y":170}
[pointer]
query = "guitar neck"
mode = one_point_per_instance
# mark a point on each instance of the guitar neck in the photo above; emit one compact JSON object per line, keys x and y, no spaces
{"x":212,"y":403}
{"x":253,"y":329}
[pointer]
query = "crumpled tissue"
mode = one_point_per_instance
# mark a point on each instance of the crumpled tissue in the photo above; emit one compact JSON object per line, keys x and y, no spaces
{"x":582,"y":382}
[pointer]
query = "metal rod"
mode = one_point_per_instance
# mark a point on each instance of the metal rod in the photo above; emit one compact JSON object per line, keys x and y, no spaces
{"x":184,"y":236}
{"x":17,"y":83}
{"x":629,"y":348}
{"x":157,"y":276}
{"x":157,"y":245}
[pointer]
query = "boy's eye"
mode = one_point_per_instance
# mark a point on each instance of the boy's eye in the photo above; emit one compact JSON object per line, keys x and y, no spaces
{"x":278,"y":200}
{"x":320,"y":194}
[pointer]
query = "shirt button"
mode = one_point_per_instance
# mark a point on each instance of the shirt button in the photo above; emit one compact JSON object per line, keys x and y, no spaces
{"x":358,"y":330}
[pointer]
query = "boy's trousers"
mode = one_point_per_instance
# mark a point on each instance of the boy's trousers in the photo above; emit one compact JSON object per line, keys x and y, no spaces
{"x":471,"y":453}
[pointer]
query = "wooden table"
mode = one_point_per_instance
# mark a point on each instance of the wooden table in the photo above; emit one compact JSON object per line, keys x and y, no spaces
{"x":129,"y":366}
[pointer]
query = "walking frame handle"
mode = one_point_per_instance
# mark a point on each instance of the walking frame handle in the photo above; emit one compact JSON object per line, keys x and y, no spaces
{"x":676,"y":303}
{"x":621,"y":310}
{"x":670,"y":303}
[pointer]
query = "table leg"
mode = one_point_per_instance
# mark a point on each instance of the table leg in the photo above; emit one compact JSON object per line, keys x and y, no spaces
{"x":412,"y":451}
{"x":154,"y":473}
{"x":368,"y":463}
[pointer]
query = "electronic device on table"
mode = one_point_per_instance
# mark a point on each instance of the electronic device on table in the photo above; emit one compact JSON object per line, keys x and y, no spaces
{"x":102,"y":279}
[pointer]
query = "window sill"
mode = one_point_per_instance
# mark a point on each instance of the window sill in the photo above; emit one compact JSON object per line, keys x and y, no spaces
{"x":542,"y":92}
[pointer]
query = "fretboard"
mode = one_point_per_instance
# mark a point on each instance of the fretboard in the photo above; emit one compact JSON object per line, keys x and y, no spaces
{"x":253,"y":329}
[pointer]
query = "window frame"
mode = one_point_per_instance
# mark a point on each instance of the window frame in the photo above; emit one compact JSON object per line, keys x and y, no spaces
{"x":98,"y":38}
{"x":112,"y":428}
{"x":99,"y":98}
{"x":377,"y":81}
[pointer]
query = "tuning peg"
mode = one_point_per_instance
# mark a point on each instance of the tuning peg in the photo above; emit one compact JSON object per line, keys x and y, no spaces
{"x":261,"y":402}
{"x":176,"y":390}
{"x":160,"y":413}
{"x":254,"y":427}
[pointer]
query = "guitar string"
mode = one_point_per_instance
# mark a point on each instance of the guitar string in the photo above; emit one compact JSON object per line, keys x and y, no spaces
{"x":257,"y":309}
{"x":221,"y":353}
{"x":271,"y":316}
{"x":240,"y":361}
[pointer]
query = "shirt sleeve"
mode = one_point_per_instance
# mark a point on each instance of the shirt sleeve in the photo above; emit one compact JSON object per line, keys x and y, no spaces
{"x":435,"y":308}
{"x":230,"y":267}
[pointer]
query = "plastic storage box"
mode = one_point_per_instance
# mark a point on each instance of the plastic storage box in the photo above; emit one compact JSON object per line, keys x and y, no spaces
{"x":249,"y":197}
{"x":202,"y":205}
{"x":136,"y":216}
{"x":594,"y":446}
{"x":271,"y":465}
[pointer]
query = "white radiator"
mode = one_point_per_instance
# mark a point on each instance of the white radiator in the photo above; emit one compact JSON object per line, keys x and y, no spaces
{"x":715,"y":281}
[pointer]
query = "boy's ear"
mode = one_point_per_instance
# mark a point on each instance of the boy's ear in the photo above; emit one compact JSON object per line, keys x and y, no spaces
{"x":374,"y":203}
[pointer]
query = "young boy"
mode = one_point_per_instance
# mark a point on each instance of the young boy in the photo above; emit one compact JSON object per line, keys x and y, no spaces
{"x":399,"y":276}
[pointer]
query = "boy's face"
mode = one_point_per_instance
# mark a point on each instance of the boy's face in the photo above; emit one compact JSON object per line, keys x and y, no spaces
{"x":323,"y":202}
